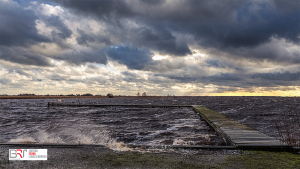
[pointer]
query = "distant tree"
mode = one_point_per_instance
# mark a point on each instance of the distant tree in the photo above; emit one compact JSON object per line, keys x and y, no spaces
{"x":144,"y":94}
{"x":110,"y":95}
{"x":87,"y":94}
{"x":138,"y":94}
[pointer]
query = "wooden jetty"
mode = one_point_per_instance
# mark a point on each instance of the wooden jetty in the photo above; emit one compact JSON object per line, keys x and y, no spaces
{"x":237,"y":134}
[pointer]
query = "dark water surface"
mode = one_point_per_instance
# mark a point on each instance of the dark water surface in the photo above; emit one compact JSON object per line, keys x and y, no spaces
{"x":31,"y":121}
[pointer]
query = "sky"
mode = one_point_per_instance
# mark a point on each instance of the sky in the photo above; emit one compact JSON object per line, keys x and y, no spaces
{"x":161,"y":47}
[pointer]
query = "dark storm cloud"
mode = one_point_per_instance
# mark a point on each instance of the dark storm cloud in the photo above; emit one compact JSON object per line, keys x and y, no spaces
{"x":55,"y":21}
{"x":102,"y":8}
{"x":217,"y":79}
{"x":287,"y":5}
{"x":278,"y":51}
{"x":219,"y":24}
{"x":18,"y":27}
{"x":132,"y":57}
{"x":23,"y":56}
{"x":153,"y":2}
{"x":80,"y":57}
{"x":214,"y":63}
{"x":161,"y":40}
{"x":85,"y":38}
{"x":224,"y":77}
{"x":284,"y":76}
{"x":253,"y":25}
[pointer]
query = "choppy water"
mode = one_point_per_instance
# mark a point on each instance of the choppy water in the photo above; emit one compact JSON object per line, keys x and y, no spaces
{"x":31,"y":121}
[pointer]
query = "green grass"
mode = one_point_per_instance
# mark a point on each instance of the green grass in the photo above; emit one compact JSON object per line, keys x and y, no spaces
{"x":247,"y":160}
{"x":263,"y":160}
{"x":142,"y":160}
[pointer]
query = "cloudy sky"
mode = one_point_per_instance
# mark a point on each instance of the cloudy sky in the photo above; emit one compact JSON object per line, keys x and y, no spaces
{"x":178,"y":47}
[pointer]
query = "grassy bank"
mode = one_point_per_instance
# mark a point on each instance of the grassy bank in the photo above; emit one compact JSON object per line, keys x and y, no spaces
{"x":263,"y":160}
{"x":248,"y":160}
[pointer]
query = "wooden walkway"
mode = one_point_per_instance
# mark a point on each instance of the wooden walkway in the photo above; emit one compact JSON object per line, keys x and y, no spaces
{"x":237,"y":134}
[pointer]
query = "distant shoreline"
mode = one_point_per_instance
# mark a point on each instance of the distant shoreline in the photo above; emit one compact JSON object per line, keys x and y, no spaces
{"x":81,"y":97}
{"x":97,"y":97}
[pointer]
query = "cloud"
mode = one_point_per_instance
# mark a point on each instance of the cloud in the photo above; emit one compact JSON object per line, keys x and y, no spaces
{"x":101,"y":9}
{"x":5,"y":81}
{"x":132,"y":57}
{"x":212,"y":23}
{"x":23,"y":56}
{"x":110,"y":44}
{"x":214,"y":63}
{"x":153,"y":2}
{"x":161,"y":40}
{"x":277,"y":50}
{"x":18,"y":27}
{"x":86,"y":39}
{"x":223,"y":77}
{"x":278,"y":76}
{"x":55,"y":21}
{"x":79,"y":57}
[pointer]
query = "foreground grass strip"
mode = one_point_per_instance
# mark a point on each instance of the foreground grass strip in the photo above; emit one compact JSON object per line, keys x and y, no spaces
{"x":142,"y":160}
{"x":263,"y":160}
{"x":246,"y":160}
